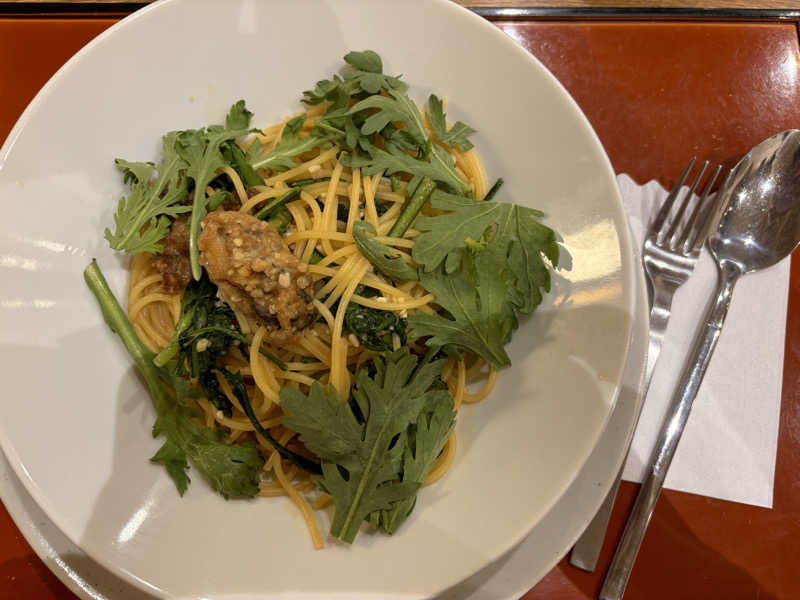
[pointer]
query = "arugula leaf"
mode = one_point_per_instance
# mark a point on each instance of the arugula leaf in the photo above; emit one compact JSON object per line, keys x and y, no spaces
{"x":367,"y":60}
{"x":238,"y":116}
{"x":398,"y":139}
{"x":480,"y":318}
{"x":142,"y":219}
{"x":457,"y":135}
{"x":201,"y":151}
{"x":325,"y":89}
{"x":232,"y":470}
{"x":133,"y":172}
{"x":484,"y":263}
{"x":425,"y":441}
{"x":398,"y":107}
{"x":380,"y":255}
{"x":361,"y":443}
{"x":367,"y":79}
{"x":238,"y":160}
{"x":440,"y":168}
{"x":291,"y":144}
{"x":365,"y":76}
{"x":518,"y":238}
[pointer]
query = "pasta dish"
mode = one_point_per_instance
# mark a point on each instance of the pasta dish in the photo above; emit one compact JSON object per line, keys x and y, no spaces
{"x":311,"y":303}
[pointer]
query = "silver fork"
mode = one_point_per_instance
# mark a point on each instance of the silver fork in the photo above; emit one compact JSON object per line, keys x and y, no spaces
{"x":671,"y":249}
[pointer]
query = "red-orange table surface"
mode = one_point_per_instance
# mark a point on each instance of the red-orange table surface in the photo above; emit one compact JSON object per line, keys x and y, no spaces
{"x":656,"y":93}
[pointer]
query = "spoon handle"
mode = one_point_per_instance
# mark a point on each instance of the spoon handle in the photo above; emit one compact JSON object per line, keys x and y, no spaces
{"x":617,"y":577}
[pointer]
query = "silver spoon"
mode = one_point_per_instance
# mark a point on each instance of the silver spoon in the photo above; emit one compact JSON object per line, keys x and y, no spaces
{"x":759,"y":227}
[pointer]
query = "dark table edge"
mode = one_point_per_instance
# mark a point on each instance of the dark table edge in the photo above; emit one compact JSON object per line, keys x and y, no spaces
{"x":106,"y":9}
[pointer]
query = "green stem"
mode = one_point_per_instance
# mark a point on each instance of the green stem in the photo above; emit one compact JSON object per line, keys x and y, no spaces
{"x":241,"y":394}
{"x":493,"y":190}
{"x":276,"y":203}
{"x":118,"y":321}
{"x":412,"y":208}
{"x":171,"y":349}
{"x":309,"y":181}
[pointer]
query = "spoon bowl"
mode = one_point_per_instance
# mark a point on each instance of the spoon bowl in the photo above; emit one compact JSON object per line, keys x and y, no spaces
{"x":761,"y":222}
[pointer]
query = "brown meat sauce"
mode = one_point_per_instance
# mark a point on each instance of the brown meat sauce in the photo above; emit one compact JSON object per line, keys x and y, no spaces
{"x":173,"y":262}
{"x":256,"y":273}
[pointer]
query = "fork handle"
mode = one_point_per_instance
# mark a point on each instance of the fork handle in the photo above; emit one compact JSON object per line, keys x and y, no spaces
{"x":617,"y":577}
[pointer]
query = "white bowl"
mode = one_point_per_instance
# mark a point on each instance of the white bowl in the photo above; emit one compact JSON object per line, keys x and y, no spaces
{"x":75,"y":420}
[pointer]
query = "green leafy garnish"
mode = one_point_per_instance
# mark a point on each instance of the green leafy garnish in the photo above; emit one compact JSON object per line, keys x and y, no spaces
{"x":395,"y":107}
{"x":484,"y":263}
{"x":281,"y":158}
{"x":201,"y":151}
{"x":236,"y":157}
{"x":202,"y":316}
{"x":455,"y":136}
{"x":517,"y":238}
{"x":362,"y":444}
{"x":366,"y":75}
{"x":238,"y":116}
{"x":424,"y":443}
{"x":240,"y":391}
{"x":191,"y":159}
{"x":439,"y":168}
{"x":232,"y":469}
{"x":373,"y":327}
{"x":380,"y":255}
{"x":142,"y":219}
{"x":480,"y":320}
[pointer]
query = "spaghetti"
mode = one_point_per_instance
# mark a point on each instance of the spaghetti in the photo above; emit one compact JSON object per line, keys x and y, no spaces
{"x":323,"y":352}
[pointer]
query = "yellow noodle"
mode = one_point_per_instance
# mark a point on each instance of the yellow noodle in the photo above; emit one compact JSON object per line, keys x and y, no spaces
{"x":341,"y":268}
{"x":355,"y":196}
{"x":444,"y":462}
{"x":237,"y":183}
{"x":302,"y":170}
{"x":484,"y":391}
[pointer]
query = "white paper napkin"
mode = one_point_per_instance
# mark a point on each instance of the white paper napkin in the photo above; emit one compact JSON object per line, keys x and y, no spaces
{"x":729,"y":445}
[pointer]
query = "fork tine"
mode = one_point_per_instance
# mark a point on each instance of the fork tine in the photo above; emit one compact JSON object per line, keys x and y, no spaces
{"x":661,"y":217}
{"x":715,"y":210}
{"x":687,"y":199}
{"x":696,"y":230}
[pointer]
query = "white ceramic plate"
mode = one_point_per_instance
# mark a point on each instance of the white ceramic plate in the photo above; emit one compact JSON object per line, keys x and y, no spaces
{"x":75,"y":421}
{"x":505,"y":579}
